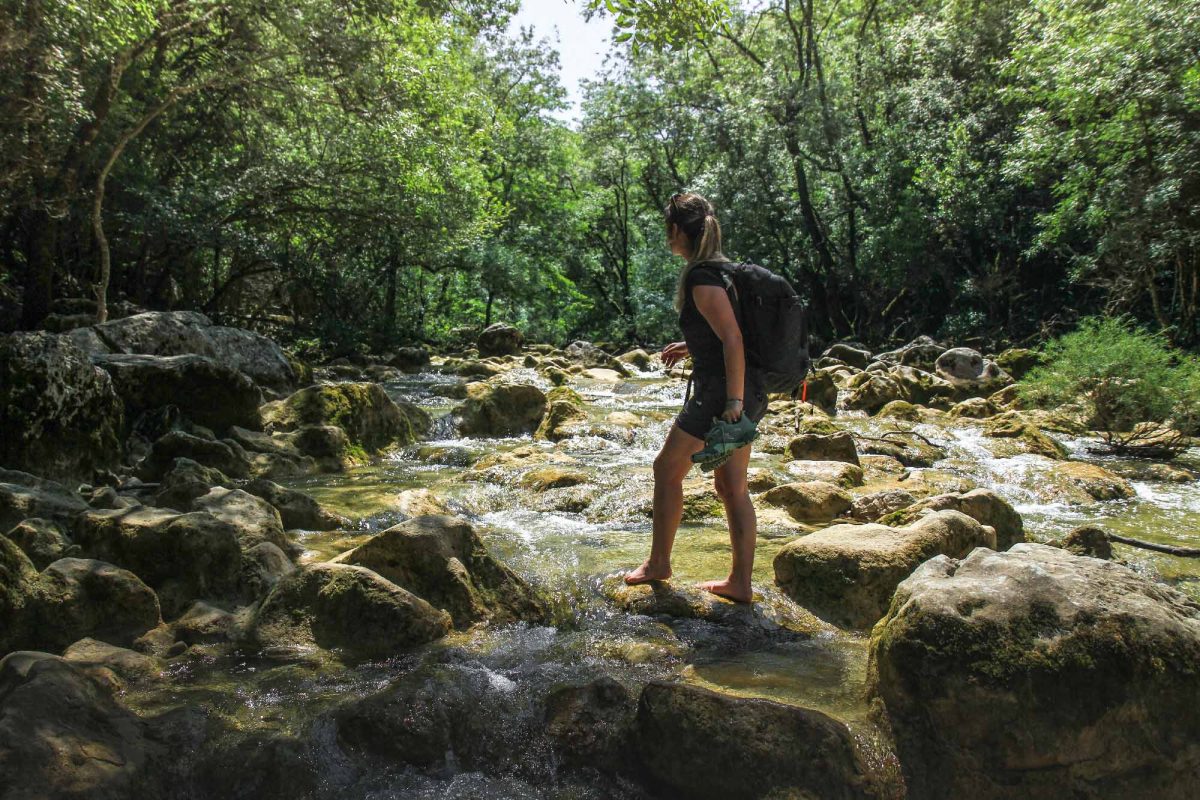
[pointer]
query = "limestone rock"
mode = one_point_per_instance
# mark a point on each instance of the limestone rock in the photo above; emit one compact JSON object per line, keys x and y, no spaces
{"x":592,"y":725}
{"x":254,"y":519}
{"x":846,"y":573}
{"x":638,"y":359}
{"x":186,"y":481}
{"x":762,"y":618}
{"x":1088,"y":540}
{"x":973,"y":408}
{"x":408,"y":359}
{"x":339,"y":606}
{"x":1039,"y":674}
{"x":500,"y":409}
{"x":811,"y":501}
{"x":816,"y":447}
{"x":871,"y":391}
{"x":1018,"y":361}
{"x":698,"y":743}
{"x":62,"y":735}
{"x":129,"y":665}
{"x":225,"y":457}
{"x":42,"y":540}
{"x":176,"y":333}
{"x":1080,"y":483}
{"x":499,"y":339}
{"x":564,"y":411}
{"x":546,"y":478}
{"x":23,"y":496}
{"x":877,"y":505}
{"x":60,"y":417}
{"x":838,"y":473}
{"x":296,"y":509}
{"x":900,"y":409}
{"x":849,"y":354}
{"x":77,"y":598}
{"x":982,"y":505}
{"x":908,"y":450}
{"x":1012,"y":425}
{"x":370,"y":418}
{"x":443,"y":560}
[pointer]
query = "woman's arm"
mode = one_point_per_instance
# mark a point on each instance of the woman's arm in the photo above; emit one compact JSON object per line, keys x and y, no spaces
{"x":713,"y":304}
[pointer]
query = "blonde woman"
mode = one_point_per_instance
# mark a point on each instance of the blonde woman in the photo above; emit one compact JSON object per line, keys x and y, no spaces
{"x":725,"y":387}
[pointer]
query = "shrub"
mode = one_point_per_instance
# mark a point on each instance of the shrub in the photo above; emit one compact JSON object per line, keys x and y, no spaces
{"x":1137,"y":390}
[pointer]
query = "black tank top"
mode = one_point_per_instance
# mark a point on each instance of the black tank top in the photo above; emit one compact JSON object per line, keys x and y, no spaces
{"x":708,"y":354}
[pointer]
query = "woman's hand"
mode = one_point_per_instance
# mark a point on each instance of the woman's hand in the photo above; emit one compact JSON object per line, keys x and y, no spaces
{"x":673,"y":353}
{"x":733,"y":410}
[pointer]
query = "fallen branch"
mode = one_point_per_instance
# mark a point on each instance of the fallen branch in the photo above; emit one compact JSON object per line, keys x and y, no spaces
{"x":884,"y":437}
{"x":1184,"y":552}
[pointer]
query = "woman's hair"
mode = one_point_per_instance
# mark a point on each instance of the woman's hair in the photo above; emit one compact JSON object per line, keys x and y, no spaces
{"x":697,"y":219}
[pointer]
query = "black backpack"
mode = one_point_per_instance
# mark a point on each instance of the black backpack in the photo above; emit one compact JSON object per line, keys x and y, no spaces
{"x":774,"y":324}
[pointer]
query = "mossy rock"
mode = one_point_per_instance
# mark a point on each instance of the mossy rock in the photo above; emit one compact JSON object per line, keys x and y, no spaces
{"x":1012,"y":425}
{"x":500,"y":409}
{"x":900,"y":409}
{"x":370,"y":418}
{"x":810,"y":501}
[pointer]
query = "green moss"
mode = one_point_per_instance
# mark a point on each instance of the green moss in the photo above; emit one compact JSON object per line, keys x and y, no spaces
{"x":564,"y":393}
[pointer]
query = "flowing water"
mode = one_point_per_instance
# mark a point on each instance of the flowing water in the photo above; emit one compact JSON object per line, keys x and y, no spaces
{"x":571,"y":541}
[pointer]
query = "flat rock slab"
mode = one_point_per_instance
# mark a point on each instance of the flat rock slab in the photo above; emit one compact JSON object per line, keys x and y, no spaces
{"x":846,"y":573}
{"x":1036,"y":673}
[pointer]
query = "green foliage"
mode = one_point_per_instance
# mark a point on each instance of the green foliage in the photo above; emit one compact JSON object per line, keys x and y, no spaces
{"x":1122,"y":376}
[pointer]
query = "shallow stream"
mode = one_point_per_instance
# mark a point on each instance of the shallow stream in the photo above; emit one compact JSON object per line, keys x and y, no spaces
{"x":571,"y":553}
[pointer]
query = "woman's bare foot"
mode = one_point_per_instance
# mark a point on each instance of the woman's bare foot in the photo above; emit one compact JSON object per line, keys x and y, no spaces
{"x":729,"y":590}
{"x":646,"y":573}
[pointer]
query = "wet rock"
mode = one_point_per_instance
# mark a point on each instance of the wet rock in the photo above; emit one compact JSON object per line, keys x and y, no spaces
{"x":327,"y":445}
{"x":177,"y":333}
{"x":1088,"y":540}
{"x":207,"y":392}
{"x":76,"y":598}
{"x":871,"y":391}
{"x":764,"y":617}
{"x":846,"y":573}
{"x":408,"y":359}
{"x":254,"y":519}
{"x":23,"y":495}
{"x":1011,"y":425}
{"x":443,"y":560}
{"x":296,"y":509}
{"x":920,"y":387}
{"x":62,"y":735}
{"x":186,"y":481}
{"x":204,"y":624}
{"x":499,"y":339}
{"x":564,"y":415}
{"x":225,"y":457}
{"x":478,"y":369}
{"x":973,"y":408}
{"x":638,"y":359}
{"x":260,"y":765}
{"x":873,"y":507}
{"x":982,"y":505}
{"x":129,"y":665}
{"x":42,"y":540}
{"x":181,"y":556}
{"x":546,"y":478}
{"x":592,"y":725}
{"x":589,"y":356}
{"x":1040,"y":674}
{"x":1079,"y":483}
{"x":838,"y":473}
{"x":263,"y":565}
{"x":420,"y":503}
{"x":908,"y":450}
{"x":823,"y":391}
{"x":811,"y":501}
{"x":500,"y":409}
{"x":900,"y":409}
{"x":817,"y":447}
{"x":339,"y":606}
{"x":694,"y":742}
{"x":370,"y":419}
{"x":60,"y":416}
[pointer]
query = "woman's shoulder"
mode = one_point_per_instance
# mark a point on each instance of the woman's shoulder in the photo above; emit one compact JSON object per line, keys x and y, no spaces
{"x":707,"y":273}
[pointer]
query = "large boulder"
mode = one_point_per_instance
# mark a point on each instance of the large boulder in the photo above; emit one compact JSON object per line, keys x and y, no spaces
{"x":1039,"y":674}
{"x":921,"y":353}
{"x":970,"y":373}
{"x":1027,"y":436}
{"x":982,"y":505}
{"x":500,"y":409}
{"x":698,"y":743}
{"x":64,"y":737}
{"x":254,"y":519}
{"x":371,"y":419}
{"x":76,"y":598}
{"x":846,"y":574}
{"x":185,"y":481}
{"x":847,"y":353}
{"x":443,"y":560}
{"x":17,"y":602}
{"x":42,"y":540}
{"x":59,"y":414}
{"x":296,"y":509}
{"x":499,"y":339}
{"x":226,"y":456}
{"x":339,"y":606}
{"x":176,"y":333}
{"x":871,"y":391}
{"x":181,"y":556}
{"x":205,"y":391}
{"x":564,"y":415}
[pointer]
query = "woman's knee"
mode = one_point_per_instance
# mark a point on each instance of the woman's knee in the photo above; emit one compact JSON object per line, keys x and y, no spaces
{"x":670,"y":468}
{"x":730,"y":487}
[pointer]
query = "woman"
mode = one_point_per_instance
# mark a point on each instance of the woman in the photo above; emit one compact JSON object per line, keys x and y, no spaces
{"x":724,"y":386}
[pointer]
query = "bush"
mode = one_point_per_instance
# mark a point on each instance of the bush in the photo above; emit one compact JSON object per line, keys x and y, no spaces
{"x":1137,"y":390}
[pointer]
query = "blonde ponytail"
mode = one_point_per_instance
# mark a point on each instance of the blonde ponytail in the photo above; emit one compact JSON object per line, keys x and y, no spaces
{"x":694,"y":215}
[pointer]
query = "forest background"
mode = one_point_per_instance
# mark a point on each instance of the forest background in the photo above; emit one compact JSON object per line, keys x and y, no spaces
{"x":351,"y":175}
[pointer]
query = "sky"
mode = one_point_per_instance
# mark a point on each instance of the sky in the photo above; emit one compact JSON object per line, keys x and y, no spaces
{"x":581,"y":45}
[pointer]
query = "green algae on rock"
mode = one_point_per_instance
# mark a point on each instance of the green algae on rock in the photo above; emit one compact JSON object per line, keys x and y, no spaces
{"x":500,"y":409}
{"x":370,"y":418}
{"x":1040,"y":674}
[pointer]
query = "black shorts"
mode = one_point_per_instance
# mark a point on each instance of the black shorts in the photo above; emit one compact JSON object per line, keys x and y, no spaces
{"x":708,"y":400}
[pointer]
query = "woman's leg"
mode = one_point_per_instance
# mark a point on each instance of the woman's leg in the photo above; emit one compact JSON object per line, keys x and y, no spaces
{"x":730,"y":483}
{"x":670,"y":467}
